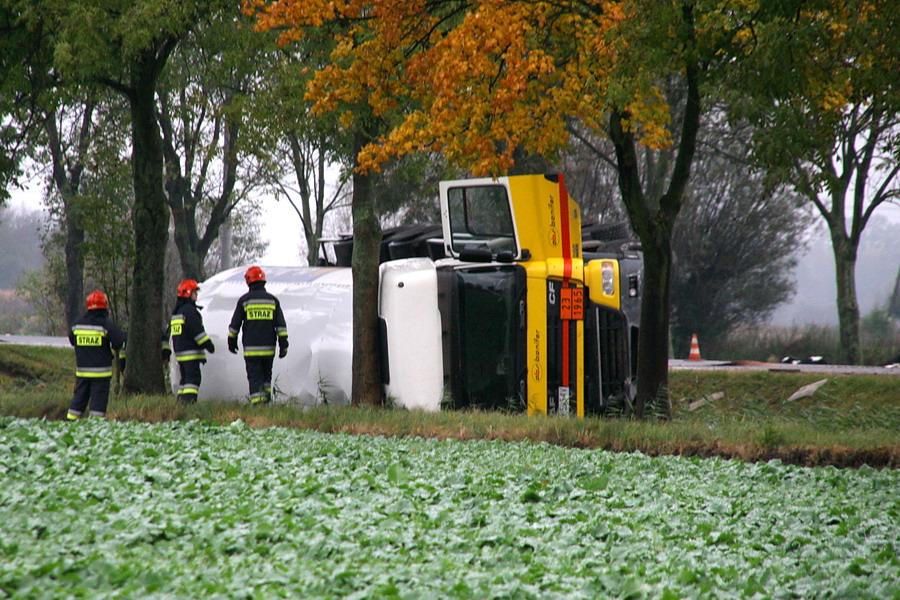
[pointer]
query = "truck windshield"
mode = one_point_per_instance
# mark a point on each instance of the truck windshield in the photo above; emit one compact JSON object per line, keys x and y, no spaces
{"x":480,"y":217}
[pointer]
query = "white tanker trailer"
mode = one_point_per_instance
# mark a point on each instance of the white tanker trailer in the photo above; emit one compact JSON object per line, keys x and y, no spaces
{"x":509,"y":304}
{"x":317,"y":305}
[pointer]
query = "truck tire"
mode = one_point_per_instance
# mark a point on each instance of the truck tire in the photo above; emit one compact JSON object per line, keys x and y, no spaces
{"x":607,"y":232}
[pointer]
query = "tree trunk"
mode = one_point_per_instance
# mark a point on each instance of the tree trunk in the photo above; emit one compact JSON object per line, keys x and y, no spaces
{"x":320,"y":206}
{"x":183,"y":207}
{"x":68,"y":184}
{"x":653,"y":339}
{"x":302,"y":159}
{"x":189,"y":258}
{"x":847,"y":304}
{"x":225,"y":243}
{"x":150,"y":220}
{"x":185,"y":202}
{"x":654,"y":228}
{"x":367,"y":383}
{"x":74,"y":262}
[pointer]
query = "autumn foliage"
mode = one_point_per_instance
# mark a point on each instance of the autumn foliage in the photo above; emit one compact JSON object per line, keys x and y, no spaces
{"x":472,"y":80}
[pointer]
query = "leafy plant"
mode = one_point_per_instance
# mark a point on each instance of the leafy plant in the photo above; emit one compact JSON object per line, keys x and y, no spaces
{"x":131,"y":510}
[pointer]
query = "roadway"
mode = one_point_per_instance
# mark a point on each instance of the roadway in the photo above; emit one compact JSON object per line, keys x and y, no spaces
{"x":34,"y":340}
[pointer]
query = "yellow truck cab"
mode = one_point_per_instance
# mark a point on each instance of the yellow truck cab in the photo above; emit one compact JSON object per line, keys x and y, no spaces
{"x":531,"y":321}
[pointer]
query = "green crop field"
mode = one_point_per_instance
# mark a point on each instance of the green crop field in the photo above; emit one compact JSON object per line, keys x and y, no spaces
{"x":103,"y":509}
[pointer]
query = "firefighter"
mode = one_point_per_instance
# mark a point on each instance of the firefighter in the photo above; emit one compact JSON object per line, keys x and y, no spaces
{"x":190,"y":342}
{"x":94,"y":336}
{"x":259,"y":314}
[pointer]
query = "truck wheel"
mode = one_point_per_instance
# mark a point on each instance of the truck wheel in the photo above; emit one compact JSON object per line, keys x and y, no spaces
{"x":608,"y":231}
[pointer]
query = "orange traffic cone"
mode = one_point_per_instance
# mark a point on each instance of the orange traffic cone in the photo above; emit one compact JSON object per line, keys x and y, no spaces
{"x":695,"y":348}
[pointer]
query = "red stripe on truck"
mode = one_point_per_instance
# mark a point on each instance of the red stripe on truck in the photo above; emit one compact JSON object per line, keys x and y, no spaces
{"x":567,"y":271}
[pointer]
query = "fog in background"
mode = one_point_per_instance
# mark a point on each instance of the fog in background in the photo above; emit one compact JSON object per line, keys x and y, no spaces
{"x":876,"y":272}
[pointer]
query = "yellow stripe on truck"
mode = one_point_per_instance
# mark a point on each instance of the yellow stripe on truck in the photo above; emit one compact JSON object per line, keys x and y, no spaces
{"x":579,"y":368}
{"x":536,"y":343}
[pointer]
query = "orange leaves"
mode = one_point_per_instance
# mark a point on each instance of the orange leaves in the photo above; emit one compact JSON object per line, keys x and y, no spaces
{"x":295,"y":14}
{"x":835,"y":99}
{"x":651,"y":115}
{"x":474,"y":81}
{"x":485,"y":87}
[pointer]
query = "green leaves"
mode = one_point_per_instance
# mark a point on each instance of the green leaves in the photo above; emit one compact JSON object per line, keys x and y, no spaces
{"x":397,"y":474}
{"x":131,"y":510}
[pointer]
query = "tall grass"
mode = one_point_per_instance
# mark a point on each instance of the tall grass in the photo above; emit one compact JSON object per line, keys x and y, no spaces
{"x":849,"y":421}
{"x":35,"y":366}
{"x":750,"y":421}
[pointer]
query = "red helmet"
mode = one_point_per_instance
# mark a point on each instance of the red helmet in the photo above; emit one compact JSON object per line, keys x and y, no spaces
{"x":254,"y":273}
{"x":187,"y":287}
{"x":97,"y":299}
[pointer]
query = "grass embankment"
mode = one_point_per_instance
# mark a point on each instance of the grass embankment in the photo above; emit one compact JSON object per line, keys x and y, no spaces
{"x":848,"y":422}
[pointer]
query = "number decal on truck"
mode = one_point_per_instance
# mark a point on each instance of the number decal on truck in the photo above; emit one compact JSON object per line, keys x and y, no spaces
{"x":571,"y":303}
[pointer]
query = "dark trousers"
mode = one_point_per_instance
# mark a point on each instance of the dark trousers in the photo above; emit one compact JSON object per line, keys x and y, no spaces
{"x":259,"y":375}
{"x":89,"y":389}
{"x":189,"y":386}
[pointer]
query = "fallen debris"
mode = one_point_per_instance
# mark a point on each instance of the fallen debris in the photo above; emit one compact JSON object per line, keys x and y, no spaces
{"x":705,"y":400}
{"x":809,"y":360}
{"x":807,"y":390}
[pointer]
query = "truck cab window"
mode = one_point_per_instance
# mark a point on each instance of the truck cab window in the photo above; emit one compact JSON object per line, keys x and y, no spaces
{"x":480,"y":217}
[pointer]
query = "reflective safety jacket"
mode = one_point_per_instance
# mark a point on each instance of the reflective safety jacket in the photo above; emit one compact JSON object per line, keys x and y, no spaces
{"x":188,"y":336}
{"x":95,"y":336}
{"x":259,"y":314}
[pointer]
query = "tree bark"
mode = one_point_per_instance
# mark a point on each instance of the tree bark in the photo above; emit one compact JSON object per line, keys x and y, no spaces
{"x":150,"y":220}
{"x":226,"y":240}
{"x":181,"y":203}
{"x":894,"y":307}
{"x":847,"y":305}
{"x":185,"y":197}
{"x":653,"y":337}
{"x":186,"y":241}
{"x":655,"y":235}
{"x":307,"y":161}
{"x":368,"y":388}
{"x":74,"y":263}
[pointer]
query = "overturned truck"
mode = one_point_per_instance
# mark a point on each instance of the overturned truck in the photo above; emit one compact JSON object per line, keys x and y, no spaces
{"x":509,"y":304}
